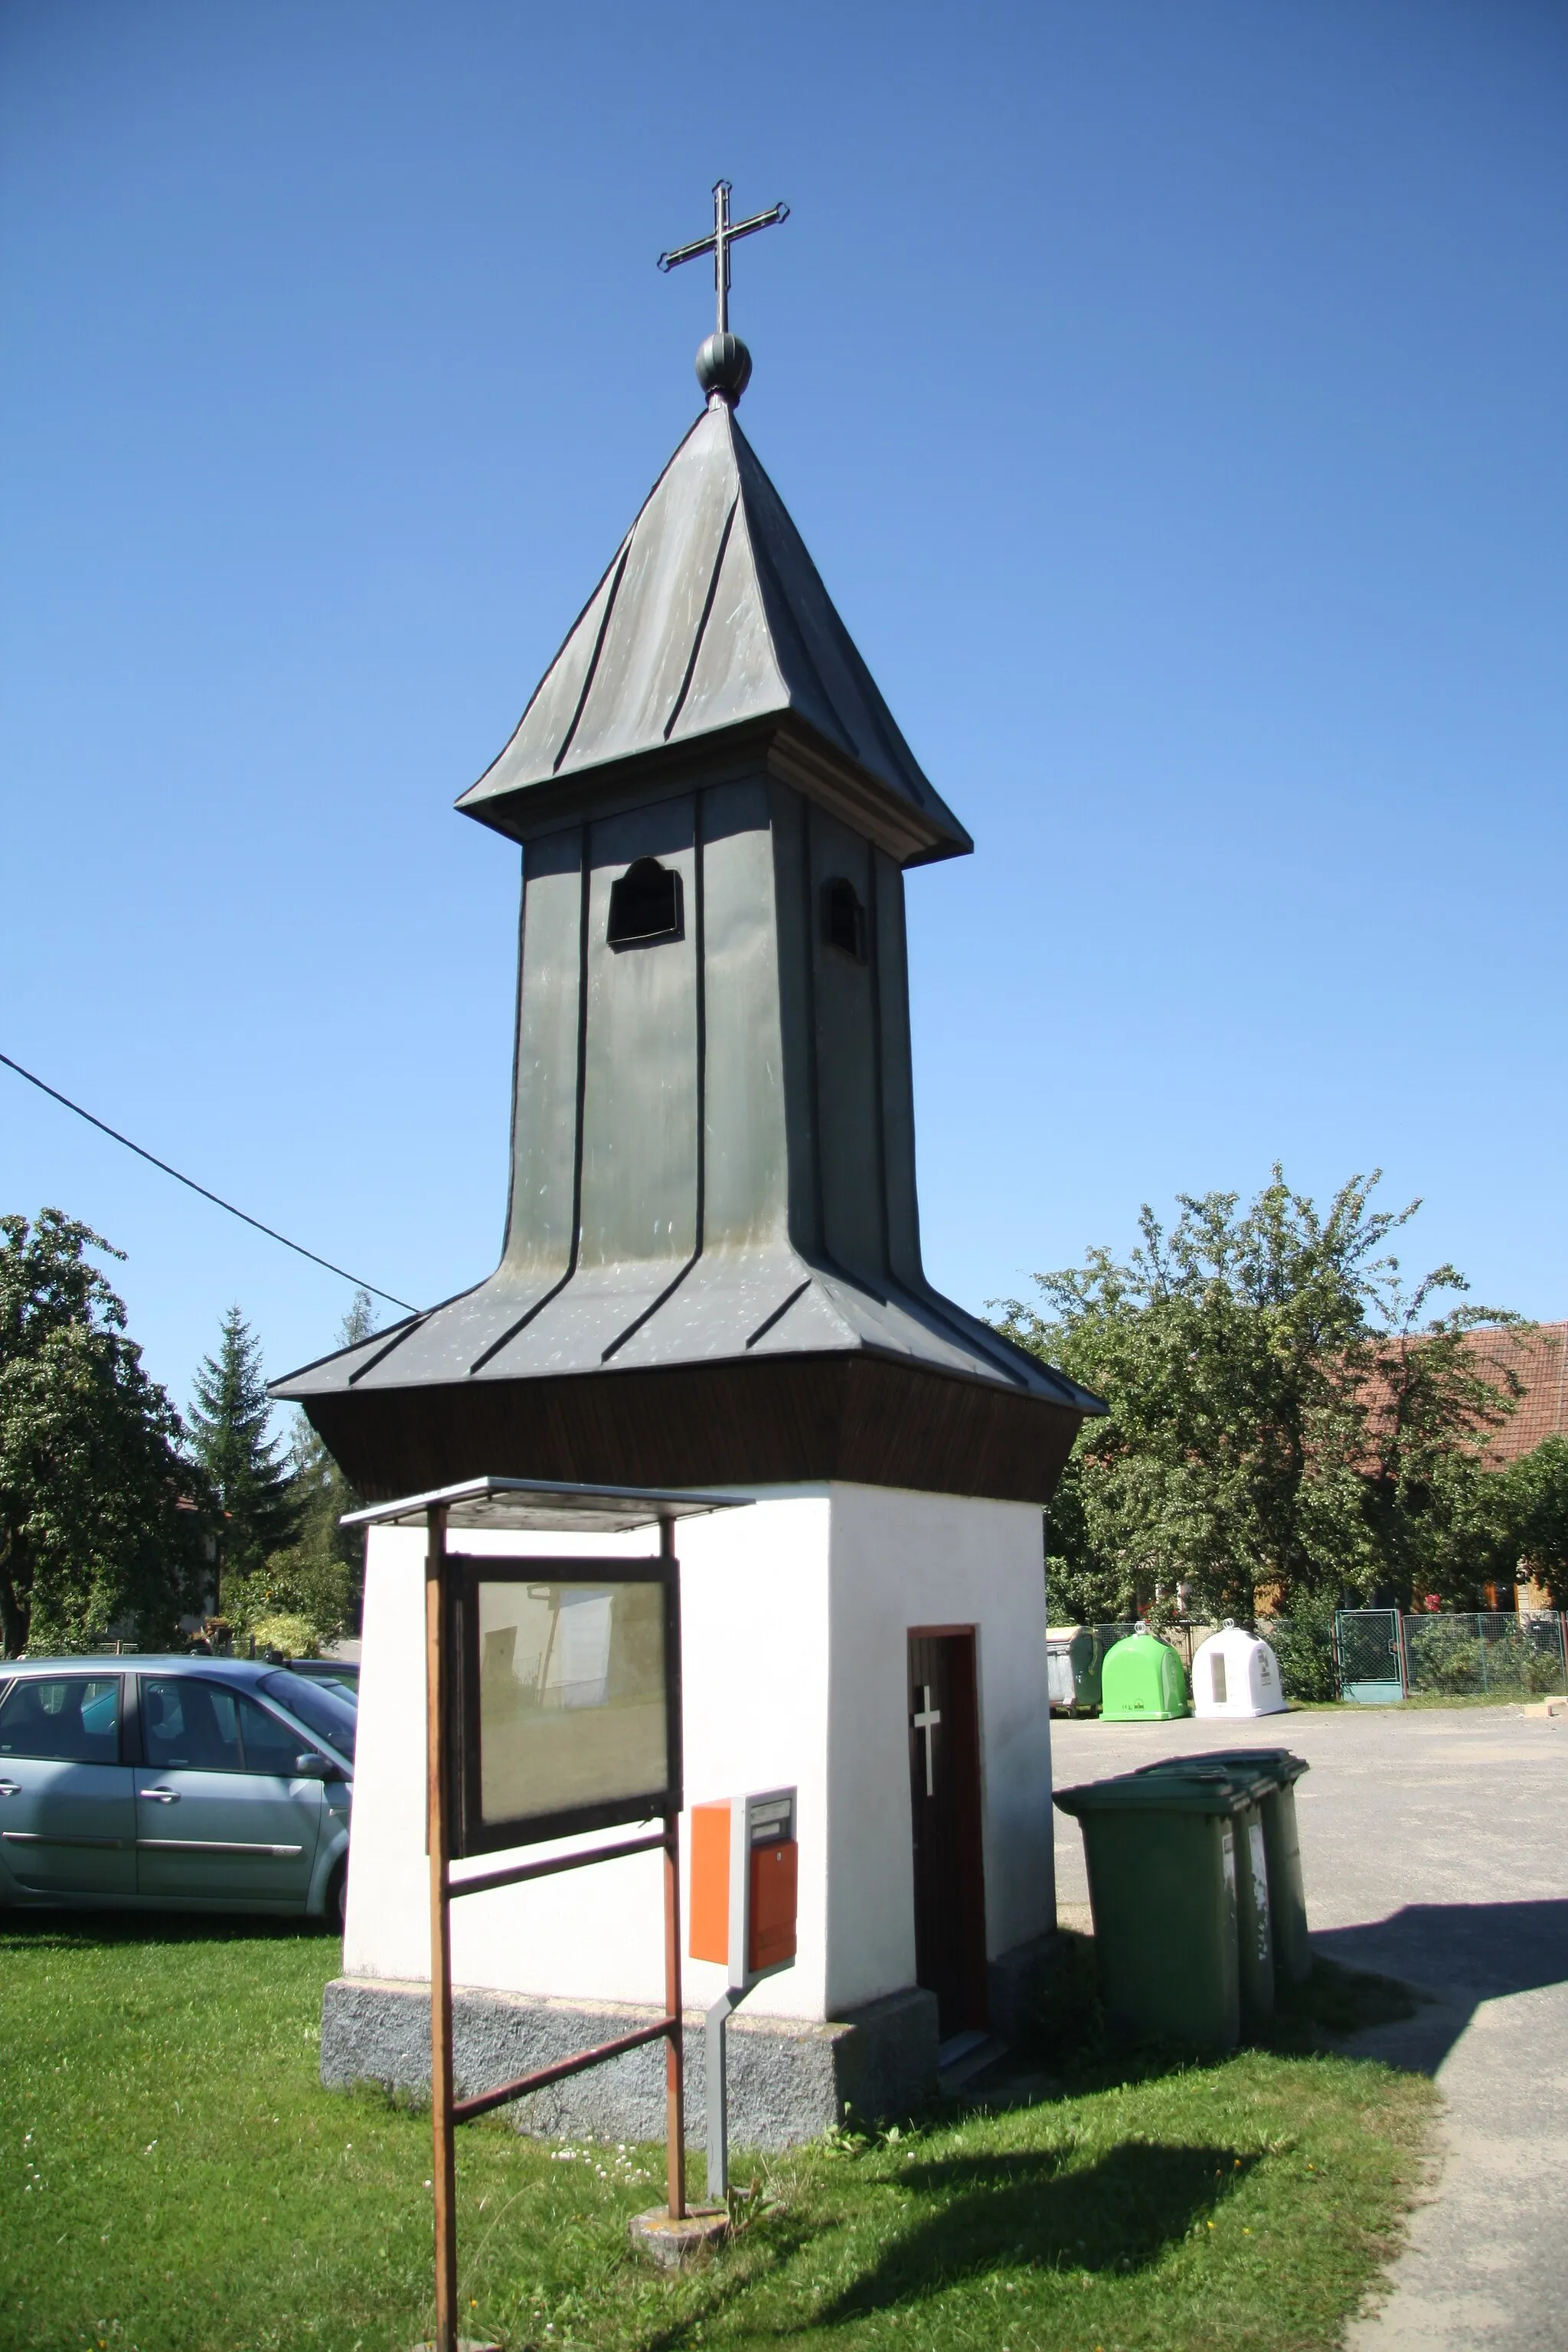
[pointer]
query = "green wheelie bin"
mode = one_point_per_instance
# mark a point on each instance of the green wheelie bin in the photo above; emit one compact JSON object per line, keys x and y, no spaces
{"x":1282,"y":1848}
{"x":1254,"y":1918}
{"x":1160,"y":1850}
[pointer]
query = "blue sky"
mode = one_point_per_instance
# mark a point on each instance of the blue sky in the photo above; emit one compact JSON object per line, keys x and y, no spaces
{"x":1172,"y":399}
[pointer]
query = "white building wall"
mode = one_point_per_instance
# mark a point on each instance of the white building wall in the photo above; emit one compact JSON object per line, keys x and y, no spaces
{"x":902,"y":1560}
{"x":795,"y":1615}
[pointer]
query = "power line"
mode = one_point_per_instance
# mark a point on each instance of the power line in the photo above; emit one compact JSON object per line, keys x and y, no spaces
{"x":298,"y":1247}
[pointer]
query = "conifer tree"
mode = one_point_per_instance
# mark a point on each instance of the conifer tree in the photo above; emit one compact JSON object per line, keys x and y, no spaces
{"x":313,"y":1584}
{"x":229,"y":1438}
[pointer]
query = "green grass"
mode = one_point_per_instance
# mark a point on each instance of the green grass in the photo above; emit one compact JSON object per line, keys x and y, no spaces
{"x":174,"y":2179}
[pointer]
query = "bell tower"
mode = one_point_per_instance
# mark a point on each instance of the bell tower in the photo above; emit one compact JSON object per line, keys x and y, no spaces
{"x":712,"y":1267}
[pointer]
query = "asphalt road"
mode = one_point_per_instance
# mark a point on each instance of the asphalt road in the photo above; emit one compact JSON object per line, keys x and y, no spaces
{"x":1435,"y":1848}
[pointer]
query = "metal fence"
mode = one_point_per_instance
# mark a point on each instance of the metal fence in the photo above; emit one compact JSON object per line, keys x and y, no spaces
{"x":1473,"y":1654}
{"x":1380,"y":1656}
{"x":1375,"y":1656}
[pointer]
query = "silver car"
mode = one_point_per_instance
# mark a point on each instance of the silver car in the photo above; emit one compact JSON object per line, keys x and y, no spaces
{"x":174,"y":1784}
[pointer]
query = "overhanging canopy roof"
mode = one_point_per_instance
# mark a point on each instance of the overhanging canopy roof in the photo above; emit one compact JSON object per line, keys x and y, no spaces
{"x":542,"y":1506}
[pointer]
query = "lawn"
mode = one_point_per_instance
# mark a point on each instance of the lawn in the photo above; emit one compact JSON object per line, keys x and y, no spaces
{"x":176,"y":2180}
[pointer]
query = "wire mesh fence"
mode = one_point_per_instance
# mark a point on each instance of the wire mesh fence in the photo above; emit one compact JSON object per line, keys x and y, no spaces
{"x":1374,"y":1655}
{"x":1477,"y":1653}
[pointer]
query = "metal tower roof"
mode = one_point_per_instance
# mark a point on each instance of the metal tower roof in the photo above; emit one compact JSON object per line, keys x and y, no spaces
{"x":712,"y":620}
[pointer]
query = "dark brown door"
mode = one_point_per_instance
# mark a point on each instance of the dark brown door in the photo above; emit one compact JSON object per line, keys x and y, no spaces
{"x":944,"y":1806}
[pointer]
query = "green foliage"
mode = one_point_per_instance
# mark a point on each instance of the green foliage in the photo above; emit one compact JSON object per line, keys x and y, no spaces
{"x":1282,"y":1412}
{"x":230,"y":1435}
{"x":92,"y":1531}
{"x":1445,"y":1655}
{"x":1537,"y":1487}
{"x":1202,"y":2209}
{"x":1304,"y":1644}
{"x":318,"y":1577}
{"x":291,"y":1637}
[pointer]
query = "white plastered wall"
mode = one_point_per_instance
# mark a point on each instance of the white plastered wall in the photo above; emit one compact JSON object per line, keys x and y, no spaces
{"x":901,"y":1560}
{"x":795,"y":1616}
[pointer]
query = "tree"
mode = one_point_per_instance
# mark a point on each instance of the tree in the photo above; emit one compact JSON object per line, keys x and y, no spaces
{"x":1537,"y":1484}
{"x":1281,"y":1413}
{"x":1441,"y":1521}
{"x":316,"y":1580}
{"x":230,"y":1439}
{"x":97,"y":1522}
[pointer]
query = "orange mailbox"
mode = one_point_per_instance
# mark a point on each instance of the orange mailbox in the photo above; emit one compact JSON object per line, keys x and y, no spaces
{"x":744,"y":1878}
{"x":743,"y":1881}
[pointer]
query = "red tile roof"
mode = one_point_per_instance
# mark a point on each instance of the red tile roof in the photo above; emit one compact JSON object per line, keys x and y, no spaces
{"x":1538,"y":1355}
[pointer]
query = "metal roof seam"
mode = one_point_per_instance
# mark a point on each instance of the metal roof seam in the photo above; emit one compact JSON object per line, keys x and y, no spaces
{"x":706,"y":614}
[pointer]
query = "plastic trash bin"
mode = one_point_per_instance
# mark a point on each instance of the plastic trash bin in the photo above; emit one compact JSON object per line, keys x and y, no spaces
{"x":1160,"y":1851}
{"x":1142,"y":1681}
{"x":1281,"y":1845}
{"x":1072,"y":1666}
{"x":1254,"y":1922}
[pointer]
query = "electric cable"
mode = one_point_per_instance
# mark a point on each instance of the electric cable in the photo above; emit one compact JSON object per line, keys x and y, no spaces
{"x":113,"y":1132}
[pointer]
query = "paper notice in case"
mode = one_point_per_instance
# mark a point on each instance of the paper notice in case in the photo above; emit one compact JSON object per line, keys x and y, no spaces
{"x":572,"y":1699}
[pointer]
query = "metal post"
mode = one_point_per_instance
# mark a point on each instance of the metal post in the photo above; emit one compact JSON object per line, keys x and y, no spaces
{"x":1563,"y":1643}
{"x":716,"y":2045}
{"x":675,"y":2057}
{"x":444,"y":2170}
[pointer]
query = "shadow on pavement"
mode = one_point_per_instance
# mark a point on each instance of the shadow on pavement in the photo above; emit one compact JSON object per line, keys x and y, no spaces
{"x":1459,"y":1955}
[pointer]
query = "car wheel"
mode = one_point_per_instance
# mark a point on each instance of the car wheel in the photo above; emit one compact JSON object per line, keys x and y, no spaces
{"x":337,"y":1890}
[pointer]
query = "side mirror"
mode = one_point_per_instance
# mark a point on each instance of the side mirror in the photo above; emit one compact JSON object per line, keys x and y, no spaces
{"x":316,"y":1766}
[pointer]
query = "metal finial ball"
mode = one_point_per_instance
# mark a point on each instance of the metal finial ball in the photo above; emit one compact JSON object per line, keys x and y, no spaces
{"x":724,"y":368}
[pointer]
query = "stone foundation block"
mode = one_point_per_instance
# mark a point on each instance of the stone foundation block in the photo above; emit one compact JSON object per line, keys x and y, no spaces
{"x":788,"y":2081}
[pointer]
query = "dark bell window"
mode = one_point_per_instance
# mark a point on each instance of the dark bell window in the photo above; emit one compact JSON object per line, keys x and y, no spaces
{"x":845,"y":919}
{"x":645,"y":905}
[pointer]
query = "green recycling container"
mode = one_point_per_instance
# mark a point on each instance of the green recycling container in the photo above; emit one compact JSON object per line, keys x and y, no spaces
{"x":1142,"y":1681}
{"x":1282,"y":1848}
{"x":1160,"y":1850}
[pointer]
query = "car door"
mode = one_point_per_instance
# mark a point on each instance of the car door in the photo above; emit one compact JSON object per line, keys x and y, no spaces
{"x":221,"y":1816}
{"x":67,"y":1819}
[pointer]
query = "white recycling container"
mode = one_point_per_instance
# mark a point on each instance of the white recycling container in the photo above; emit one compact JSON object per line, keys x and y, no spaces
{"x":1236,"y":1674}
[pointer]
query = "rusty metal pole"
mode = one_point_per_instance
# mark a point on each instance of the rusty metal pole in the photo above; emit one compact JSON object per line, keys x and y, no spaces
{"x":444,"y":2171}
{"x":675,"y":2054}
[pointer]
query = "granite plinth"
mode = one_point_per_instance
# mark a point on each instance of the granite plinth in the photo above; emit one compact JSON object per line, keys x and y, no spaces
{"x":789,"y":2081}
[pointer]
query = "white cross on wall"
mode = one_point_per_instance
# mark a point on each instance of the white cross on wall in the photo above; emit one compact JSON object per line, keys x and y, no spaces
{"x":926,"y":1720}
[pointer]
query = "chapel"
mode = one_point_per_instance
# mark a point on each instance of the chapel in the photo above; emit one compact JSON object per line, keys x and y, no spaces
{"x":711,"y":1277}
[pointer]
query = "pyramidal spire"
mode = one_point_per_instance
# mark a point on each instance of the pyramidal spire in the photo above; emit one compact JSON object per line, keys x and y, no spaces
{"x":712,"y":620}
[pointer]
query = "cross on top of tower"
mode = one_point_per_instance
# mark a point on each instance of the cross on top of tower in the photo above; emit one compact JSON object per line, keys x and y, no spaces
{"x":723,"y":363}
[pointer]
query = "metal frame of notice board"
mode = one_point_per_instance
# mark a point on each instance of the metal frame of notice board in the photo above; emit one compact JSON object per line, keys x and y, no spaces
{"x":456,"y":1826}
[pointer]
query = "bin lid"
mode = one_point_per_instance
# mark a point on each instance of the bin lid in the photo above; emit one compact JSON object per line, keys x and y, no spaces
{"x":1276,"y":1764}
{"x":1159,"y":1792}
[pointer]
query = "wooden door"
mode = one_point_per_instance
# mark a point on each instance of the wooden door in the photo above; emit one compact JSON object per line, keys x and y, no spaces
{"x":944,"y":1808}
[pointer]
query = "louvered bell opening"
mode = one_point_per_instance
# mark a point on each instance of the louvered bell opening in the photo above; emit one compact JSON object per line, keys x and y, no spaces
{"x":645,"y":905}
{"x":844,"y":918}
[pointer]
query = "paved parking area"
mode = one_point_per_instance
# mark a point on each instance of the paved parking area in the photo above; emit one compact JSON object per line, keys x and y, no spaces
{"x":1435,"y":1848}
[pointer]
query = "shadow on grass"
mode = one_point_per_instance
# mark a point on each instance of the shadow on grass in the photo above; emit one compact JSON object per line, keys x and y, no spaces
{"x":1066,"y":2048}
{"x":976,"y":2215}
{"x":1004,"y":2212}
{"x":42,"y":1930}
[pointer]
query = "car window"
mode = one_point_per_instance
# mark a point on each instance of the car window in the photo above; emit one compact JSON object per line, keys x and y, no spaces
{"x":329,"y":1711}
{"x":269,"y":1746}
{"x":72,"y":1717}
{"x":189,"y":1725}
